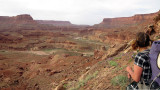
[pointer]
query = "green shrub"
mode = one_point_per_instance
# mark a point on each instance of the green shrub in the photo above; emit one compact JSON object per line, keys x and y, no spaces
{"x":157,"y":37}
{"x":83,"y":82}
{"x":119,"y":80}
{"x":65,"y":85}
{"x":116,"y":58}
{"x":119,"y":68}
{"x":113,"y":63}
{"x":130,"y":60}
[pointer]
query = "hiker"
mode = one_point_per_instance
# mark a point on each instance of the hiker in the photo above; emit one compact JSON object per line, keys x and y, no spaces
{"x":141,"y":72}
{"x":154,"y":56}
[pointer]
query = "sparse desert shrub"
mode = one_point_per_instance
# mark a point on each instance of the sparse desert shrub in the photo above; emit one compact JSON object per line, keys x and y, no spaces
{"x":113,"y":63}
{"x":81,"y":83}
{"x":102,"y":36}
{"x":65,"y":85}
{"x":119,"y":68}
{"x":119,"y":80}
{"x":116,"y":58}
{"x":130,"y":60}
{"x":157,"y":37}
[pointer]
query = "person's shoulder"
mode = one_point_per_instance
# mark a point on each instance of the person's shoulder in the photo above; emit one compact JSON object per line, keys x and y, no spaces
{"x":144,"y":55}
{"x":145,"y":52}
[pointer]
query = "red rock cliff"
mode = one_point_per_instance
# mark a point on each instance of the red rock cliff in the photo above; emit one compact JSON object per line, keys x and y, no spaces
{"x":19,"y":19}
{"x":55,"y":23}
{"x":126,"y":21}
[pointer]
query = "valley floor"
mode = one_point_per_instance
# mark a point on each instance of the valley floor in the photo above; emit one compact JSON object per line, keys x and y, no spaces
{"x":44,"y":60}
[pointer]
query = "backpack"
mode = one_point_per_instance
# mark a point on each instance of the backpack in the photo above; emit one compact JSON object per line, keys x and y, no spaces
{"x":155,"y":64}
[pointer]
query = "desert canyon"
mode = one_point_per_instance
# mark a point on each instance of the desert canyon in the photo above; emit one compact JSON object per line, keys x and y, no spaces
{"x":59,"y":55}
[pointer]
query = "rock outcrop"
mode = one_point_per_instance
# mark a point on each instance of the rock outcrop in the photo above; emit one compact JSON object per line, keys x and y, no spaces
{"x":26,"y":22}
{"x":19,"y":19}
{"x":55,"y":23}
{"x":127,"y":21}
{"x":19,"y":22}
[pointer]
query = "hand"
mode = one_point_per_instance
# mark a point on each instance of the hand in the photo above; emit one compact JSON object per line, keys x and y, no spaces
{"x":128,"y":69}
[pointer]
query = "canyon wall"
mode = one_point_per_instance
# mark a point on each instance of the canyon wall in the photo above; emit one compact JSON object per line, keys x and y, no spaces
{"x":19,"y":19}
{"x":26,"y":22}
{"x":55,"y":23}
{"x":127,"y":21}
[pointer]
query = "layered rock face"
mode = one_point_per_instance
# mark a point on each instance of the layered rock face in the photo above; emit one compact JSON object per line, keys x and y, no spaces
{"x":55,"y":23}
{"x":127,"y":21}
{"x":19,"y":19}
{"x":26,"y":22}
{"x":19,"y":22}
{"x":24,"y":19}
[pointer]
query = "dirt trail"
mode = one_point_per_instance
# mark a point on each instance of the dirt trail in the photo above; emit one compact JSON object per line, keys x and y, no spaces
{"x":39,"y":52}
{"x":35,"y":52}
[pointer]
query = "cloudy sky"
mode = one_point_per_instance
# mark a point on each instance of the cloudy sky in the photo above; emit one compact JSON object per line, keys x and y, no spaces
{"x":78,"y":11}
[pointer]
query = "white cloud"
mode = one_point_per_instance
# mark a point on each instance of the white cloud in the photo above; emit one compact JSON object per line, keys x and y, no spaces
{"x":78,"y":11}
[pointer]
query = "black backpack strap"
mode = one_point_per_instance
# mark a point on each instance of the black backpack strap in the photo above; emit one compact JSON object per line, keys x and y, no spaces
{"x":155,"y":78}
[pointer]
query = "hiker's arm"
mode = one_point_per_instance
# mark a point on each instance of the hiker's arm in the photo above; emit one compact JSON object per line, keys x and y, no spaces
{"x":136,"y":74}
